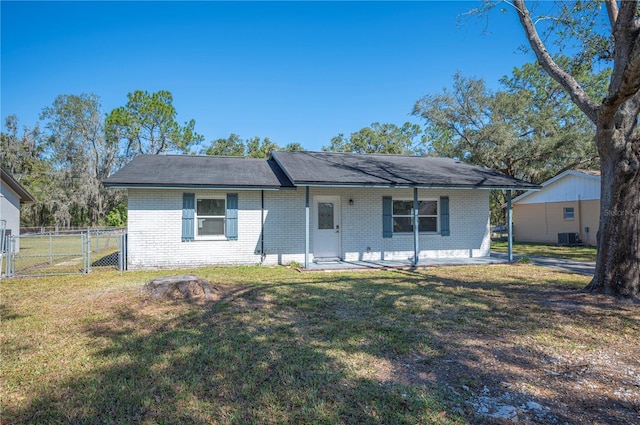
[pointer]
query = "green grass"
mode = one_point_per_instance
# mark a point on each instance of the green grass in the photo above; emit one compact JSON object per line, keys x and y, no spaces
{"x":578,"y":253}
{"x":278,"y":347}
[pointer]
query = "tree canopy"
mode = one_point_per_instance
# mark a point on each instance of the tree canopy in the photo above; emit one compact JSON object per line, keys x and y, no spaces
{"x":254,"y":147}
{"x":147,"y":125}
{"x":529,"y":128}
{"x":380,"y":138}
{"x":63,"y":163}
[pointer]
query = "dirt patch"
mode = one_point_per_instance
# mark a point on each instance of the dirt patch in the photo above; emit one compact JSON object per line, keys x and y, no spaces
{"x":566,"y":376}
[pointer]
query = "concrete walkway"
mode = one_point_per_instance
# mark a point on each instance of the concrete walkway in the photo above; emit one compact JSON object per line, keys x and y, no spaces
{"x":571,"y":266}
{"x":341,"y":265}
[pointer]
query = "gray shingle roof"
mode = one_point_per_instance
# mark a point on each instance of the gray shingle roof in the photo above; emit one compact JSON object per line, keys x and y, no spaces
{"x":199,"y":171}
{"x":290,"y":169}
{"x":341,"y":169}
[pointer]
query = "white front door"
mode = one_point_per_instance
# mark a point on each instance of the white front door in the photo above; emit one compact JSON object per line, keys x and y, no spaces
{"x":326,"y":227}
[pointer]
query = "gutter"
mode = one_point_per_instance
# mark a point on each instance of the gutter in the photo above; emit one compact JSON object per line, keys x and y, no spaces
{"x":193,"y":187}
{"x":416,"y":186}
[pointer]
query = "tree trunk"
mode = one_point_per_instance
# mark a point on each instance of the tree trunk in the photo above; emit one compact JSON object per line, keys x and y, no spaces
{"x":618,"y":262}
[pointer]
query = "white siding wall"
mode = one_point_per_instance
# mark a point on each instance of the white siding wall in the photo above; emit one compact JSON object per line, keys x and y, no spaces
{"x":566,"y":189}
{"x":10,"y":209}
{"x":155,"y":226}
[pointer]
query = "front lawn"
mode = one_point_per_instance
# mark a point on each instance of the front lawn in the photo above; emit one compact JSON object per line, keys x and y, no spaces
{"x":446,"y":346}
{"x":532,"y":249}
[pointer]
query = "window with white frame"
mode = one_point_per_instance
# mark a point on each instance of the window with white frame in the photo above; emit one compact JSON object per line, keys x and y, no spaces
{"x":569,"y":213}
{"x":210,"y":217}
{"x":403,"y":216}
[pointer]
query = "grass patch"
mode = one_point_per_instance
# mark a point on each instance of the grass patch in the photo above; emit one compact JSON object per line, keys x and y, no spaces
{"x":393,"y":347}
{"x":578,"y":253}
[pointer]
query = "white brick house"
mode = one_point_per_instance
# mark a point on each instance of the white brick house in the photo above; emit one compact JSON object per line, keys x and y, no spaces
{"x":304,"y":206}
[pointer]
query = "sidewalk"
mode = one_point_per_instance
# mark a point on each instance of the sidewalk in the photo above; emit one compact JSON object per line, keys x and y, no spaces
{"x":571,"y":266}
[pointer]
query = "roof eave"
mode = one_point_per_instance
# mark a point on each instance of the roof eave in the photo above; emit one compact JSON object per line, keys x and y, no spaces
{"x":191,"y":187}
{"x":416,"y":185}
{"x":23,"y":194}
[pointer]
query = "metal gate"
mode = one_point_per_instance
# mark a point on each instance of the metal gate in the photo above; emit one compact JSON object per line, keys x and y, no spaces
{"x":65,"y":252}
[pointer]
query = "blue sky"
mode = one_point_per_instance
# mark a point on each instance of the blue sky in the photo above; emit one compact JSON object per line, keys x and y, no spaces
{"x":292,"y":71}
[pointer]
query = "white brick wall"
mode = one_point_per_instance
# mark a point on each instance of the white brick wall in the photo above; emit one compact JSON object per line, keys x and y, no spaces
{"x":362,"y":225}
{"x":155,"y":228}
{"x":155,"y":232}
{"x":284,"y":232}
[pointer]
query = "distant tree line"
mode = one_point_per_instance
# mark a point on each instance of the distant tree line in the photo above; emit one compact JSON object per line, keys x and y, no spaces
{"x":63,"y":159}
{"x":529,"y":129}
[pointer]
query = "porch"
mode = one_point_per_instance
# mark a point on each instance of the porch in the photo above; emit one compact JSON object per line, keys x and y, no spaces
{"x":340,"y":265}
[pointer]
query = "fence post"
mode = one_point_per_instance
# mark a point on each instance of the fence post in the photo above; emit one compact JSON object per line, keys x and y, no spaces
{"x":83,"y":242}
{"x":11,"y":257}
{"x":3,"y":247}
{"x":7,"y":257}
{"x":50,"y":248}
{"x":88,"y":252}
{"x":122,"y":254}
{"x":125,"y":265}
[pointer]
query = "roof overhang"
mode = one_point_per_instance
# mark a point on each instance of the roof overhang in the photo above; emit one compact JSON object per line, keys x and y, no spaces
{"x":13,"y":184}
{"x":412,"y":186}
{"x":192,"y":187}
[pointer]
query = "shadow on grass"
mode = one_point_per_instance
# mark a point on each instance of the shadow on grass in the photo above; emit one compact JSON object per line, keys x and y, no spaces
{"x":106,"y":260}
{"x":397,"y":347}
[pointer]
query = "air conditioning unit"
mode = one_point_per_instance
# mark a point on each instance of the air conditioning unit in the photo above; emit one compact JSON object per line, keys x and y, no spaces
{"x":568,"y":238}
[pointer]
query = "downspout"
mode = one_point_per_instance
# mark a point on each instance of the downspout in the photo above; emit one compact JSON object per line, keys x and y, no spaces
{"x":509,"y":227}
{"x":416,"y":248}
{"x":263,"y":255}
{"x":306,"y":229}
{"x":579,"y":219}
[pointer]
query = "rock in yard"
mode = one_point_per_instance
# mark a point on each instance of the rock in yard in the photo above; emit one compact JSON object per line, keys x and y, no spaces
{"x":188,"y":287}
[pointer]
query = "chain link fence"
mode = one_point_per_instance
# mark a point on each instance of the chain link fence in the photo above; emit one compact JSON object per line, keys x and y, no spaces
{"x":65,"y":252}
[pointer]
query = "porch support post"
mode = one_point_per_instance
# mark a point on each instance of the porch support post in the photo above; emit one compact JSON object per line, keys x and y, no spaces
{"x":306,"y":228}
{"x":416,"y":230}
{"x":509,"y":227}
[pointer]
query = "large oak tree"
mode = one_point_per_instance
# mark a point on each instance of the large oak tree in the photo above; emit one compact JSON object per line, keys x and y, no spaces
{"x":615,"y":117}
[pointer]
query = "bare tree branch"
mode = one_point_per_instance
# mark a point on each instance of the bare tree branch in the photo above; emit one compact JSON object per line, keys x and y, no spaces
{"x":612,"y":11}
{"x":566,"y":80}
